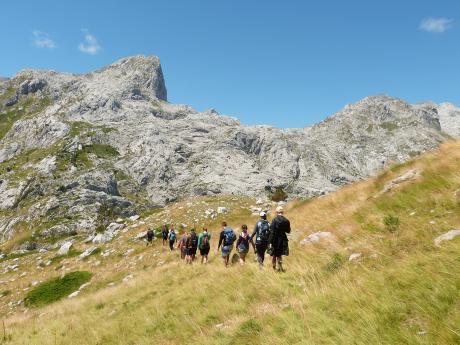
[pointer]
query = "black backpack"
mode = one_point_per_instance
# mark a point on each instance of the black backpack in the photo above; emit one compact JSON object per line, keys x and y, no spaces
{"x":192,"y":241}
{"x":263,"y":231}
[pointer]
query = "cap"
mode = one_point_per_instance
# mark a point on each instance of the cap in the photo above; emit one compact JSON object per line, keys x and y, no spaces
{"x":262,"y":214}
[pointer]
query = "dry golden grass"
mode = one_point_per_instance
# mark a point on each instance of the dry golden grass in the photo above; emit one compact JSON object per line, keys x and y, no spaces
{"x":403,"y":290}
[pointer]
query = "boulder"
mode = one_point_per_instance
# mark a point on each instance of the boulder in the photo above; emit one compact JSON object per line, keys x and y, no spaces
{"x":448,"y":236}
{"x":222,"y":210}
{"x":134,"y":218}
{"x":87,"y":252}
{"x":114,"y":228}
{"x":316,"y":237}
{"x":102,"y":238}
{"x":141,"y":235}
{"x":354,"y":256}
{"x":64,"y":249}
{"x":89,"y":239}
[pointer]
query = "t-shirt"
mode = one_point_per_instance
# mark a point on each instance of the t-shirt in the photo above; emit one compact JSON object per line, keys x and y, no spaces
{"x":201,"y":236}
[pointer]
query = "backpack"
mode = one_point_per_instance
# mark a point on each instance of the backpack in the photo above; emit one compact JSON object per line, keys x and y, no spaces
{"x":229,"y":236}
{"x":172,"y":236}
{"x":263,"y":231}
{"x":205,"y":242}
{"x":192,"y":241}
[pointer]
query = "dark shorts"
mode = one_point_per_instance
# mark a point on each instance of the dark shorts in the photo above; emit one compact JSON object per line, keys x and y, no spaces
{"x":261,"y":248}
{"x":226,"y":250}
{"x":205,"y":251}
{"x":243,"y":250}
{"x":191,"y":251}
{"x":165,"y":237}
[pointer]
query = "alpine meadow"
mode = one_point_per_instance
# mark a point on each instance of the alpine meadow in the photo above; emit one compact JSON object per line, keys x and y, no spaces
{"x":325,"y":210}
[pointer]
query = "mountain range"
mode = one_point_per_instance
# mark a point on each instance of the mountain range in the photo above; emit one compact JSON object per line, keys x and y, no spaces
{"x":77,"y":151}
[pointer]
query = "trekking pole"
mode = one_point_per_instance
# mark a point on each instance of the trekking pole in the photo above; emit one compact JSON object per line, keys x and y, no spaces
{"x":4,"y":330}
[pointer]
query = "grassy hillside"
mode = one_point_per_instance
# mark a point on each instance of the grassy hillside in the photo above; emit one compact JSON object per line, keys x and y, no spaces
{"x":401,"y":290}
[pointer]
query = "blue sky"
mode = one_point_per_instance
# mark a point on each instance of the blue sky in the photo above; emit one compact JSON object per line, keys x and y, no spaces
{"x":285,"y":63}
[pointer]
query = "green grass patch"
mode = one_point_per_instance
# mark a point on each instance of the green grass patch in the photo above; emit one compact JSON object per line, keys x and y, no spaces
{"x":278,"y":195}
{"x":12,"y":256}
{"x":26,"y":107}
{"x":335,"y":263}
{"x":391,"y":223}
{"x":389,"y":126}
{"x":57,"y":288}
{"x":101,"y":150}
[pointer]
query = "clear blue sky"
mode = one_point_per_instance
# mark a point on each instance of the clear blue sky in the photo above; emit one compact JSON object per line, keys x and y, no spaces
{"x":286,"y":63}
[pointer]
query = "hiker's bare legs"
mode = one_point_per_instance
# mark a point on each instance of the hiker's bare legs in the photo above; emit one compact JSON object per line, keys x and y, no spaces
{"x":242,"y":258}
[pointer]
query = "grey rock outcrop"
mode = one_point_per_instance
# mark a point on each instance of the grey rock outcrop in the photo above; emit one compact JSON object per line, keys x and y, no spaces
{"x":449,"y":117}
{"x":87,"y":149}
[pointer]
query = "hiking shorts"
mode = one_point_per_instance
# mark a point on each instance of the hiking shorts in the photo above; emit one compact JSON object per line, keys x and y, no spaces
{"x":226,"y":250}
{"x":243,"y":250}
{"x":261,"y":248}
{"x":191,"y":251}
{"x":205,"y":251}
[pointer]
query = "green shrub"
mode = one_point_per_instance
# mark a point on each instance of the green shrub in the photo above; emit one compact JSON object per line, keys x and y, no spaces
{"x":57,"y":288}
{"x":249,"y":328}
{"x":101,"y":150}
{"x":336,"y":262}
{"x":391,"y":223}
{"x":278,"y":195}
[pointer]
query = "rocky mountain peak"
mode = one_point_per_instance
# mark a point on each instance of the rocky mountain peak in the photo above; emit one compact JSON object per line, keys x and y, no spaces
{"x":141,"y":75}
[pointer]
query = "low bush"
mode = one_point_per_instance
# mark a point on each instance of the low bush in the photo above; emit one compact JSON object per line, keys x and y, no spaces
{"x":57,"y":288}
{"x":391,"y":223}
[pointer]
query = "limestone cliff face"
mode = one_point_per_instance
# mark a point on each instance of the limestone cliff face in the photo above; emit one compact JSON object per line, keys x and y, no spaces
{"x":77,"y":149}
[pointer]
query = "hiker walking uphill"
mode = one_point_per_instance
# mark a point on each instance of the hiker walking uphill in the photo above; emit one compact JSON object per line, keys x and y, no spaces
{"x":242,"y":244}
{"x":150,"y":235}
{"x":226,"y":239}
{"x":204,"y":245}
{"x":182,"y":245}
{"x":172,"y":238}
{"x":164,"y":234}
{"x":261,"y":233}
{"x":278,"y":241}
{"x":191,"y":247}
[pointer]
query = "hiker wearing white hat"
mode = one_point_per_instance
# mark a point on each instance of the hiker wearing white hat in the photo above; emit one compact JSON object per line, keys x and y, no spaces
{"x":261,"y":233}
{"x":278,"y":241}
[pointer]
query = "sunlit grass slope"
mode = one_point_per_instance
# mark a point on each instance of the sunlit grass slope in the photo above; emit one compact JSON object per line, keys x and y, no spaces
{"x":402,"y":290}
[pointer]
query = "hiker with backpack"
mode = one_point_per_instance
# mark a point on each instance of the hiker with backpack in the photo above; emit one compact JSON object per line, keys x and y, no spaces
{"x":261,"y":233}
{"x":164,"y":234}
{"x":172,"y":238}
{"x":226,"y":240}
{"x":150,"y":235}
{"x":191,"y":247}
{"x":242,"y":244}
{"x":181,"y":245}
{"x":278,"y":241}
{"x":203,"y":245}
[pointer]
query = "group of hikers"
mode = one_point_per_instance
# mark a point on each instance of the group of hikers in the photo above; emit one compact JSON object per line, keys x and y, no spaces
{"x":265,"y":238}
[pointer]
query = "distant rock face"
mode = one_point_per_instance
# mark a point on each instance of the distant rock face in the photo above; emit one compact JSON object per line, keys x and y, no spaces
{"x":84,"y":150}
{"x":449,"y":117}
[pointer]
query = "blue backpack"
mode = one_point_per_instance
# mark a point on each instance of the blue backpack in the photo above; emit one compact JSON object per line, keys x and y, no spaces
{"x":229,"y":236}
{"x":172,"y":236}
{"x":263,"y":231}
